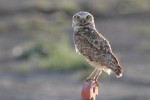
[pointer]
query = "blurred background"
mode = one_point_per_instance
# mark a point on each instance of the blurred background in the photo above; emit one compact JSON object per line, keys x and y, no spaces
{"x":37,"y":56}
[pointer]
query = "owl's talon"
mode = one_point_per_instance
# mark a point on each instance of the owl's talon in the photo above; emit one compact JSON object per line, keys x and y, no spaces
{"x":88,"y":79}
{"x":92,"y":80}
{"x":96,"y":82}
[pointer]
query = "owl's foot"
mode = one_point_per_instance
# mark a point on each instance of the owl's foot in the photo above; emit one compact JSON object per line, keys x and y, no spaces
{"x":92,"y":80}
{"x":96,"y":82}
{"x":88,"y":79}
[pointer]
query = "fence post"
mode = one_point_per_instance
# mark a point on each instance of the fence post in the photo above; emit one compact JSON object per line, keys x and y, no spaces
{"x":89,"y":90}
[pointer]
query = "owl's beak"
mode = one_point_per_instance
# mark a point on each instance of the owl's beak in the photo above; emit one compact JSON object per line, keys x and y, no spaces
{"x":82,"y":21}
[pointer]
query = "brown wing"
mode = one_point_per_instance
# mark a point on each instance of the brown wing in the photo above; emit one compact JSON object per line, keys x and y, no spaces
{"x":98,"y":41}
{"x":107,"y":57}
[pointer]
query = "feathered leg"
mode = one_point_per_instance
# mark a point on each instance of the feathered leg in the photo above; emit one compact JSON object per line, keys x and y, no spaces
{"x":91,"y":77}
{"x":98,"y":73}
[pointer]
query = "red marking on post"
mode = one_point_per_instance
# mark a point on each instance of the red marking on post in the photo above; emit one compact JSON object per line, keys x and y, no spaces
{"x":89,"y":90}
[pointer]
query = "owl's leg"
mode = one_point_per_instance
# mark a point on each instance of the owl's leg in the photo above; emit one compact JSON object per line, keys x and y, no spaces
{"x":98,"y":73}
{"x":91,"y":77}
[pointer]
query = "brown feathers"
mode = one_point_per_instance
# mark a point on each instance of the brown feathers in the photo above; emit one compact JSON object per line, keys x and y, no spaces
{"x":94,"y":47}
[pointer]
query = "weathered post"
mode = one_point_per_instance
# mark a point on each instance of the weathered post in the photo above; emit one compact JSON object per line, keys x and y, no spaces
{"x":89,"y":90}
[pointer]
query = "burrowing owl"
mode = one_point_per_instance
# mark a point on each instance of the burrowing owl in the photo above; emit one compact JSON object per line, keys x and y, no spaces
{"x":93,"y":46}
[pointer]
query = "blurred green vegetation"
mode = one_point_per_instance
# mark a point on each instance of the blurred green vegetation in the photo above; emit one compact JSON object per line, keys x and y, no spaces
{"x":52,"y":49}
{"x":54,"y":55}
{"x":103,"y":7}
{"x":48,"y":23}
{"x":142,"y":33}
{"x":144,"y":47}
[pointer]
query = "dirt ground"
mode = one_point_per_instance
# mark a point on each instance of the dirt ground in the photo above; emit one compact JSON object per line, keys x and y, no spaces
{"x":55,"y":85}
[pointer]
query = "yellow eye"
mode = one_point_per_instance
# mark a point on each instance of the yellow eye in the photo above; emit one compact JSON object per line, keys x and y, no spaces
{"x":77,"y":17}
{"x":88,"y":17}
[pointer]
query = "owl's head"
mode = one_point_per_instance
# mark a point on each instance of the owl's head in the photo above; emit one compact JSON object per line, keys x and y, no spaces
{"x":82,"y":18}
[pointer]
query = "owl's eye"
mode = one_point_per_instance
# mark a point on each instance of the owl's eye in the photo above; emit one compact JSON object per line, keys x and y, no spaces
{"x":88,"y":17}
{"x":77,"y":17}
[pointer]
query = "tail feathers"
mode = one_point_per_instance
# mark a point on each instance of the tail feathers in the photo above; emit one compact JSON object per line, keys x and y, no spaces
{"x":118,"y":71}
